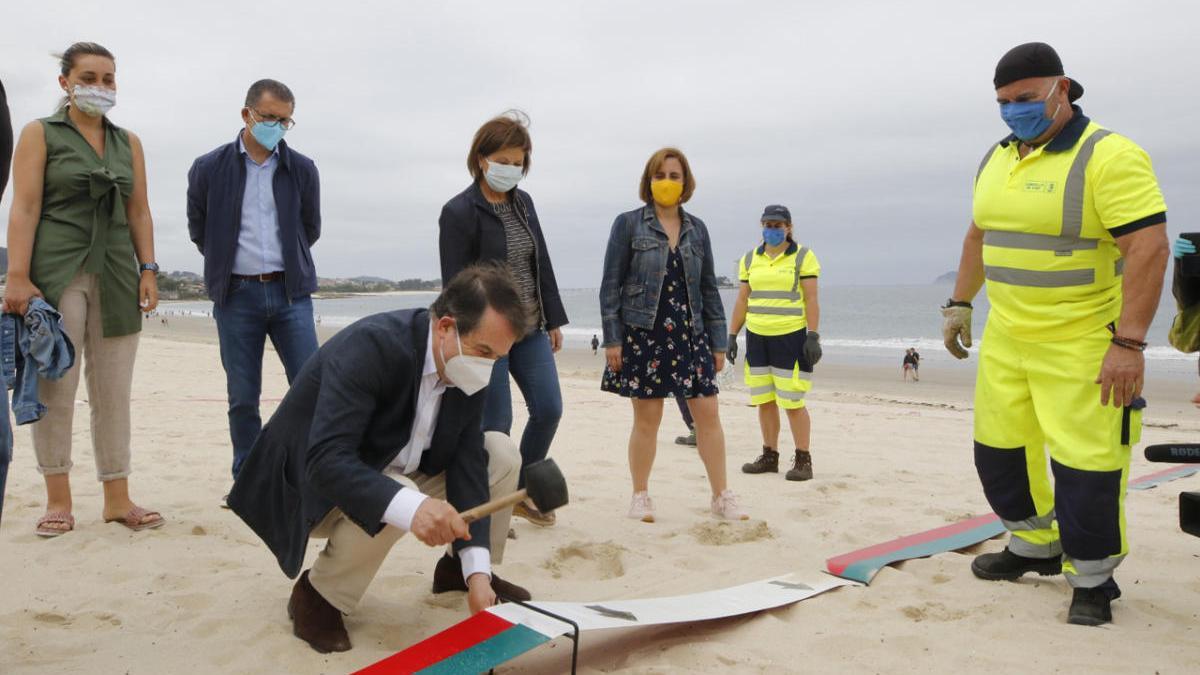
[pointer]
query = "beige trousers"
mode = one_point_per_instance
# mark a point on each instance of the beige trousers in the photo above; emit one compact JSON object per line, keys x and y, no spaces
{"x":108,"y":369}
{"x":351,"y":557}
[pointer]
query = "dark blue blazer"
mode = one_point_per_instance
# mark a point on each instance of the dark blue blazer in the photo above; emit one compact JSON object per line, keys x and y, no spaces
{"x":216,"y":184}
{"x":345,"y":418}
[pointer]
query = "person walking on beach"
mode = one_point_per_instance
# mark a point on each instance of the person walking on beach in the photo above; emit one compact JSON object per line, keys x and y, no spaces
{"x":1069,"y":231}
{"x":381,"y":426}
{"x":909,"y":364}
{"x":595,"y":344}
{"x":664,"y":326}
{"x":778,"y":304}
{"x":254,"y":211}
{"x":79,"y":230}
{"x":494,"y":221}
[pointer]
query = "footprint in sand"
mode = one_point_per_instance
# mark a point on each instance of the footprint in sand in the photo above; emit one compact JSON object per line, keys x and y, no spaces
{"x":199,"y":531}
{"x":52,"y":618}
{"x":725,"y":533}
{"x":587,"y":560}
{"x":932,"y":611}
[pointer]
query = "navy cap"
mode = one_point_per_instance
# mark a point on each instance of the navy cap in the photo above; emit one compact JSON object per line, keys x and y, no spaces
{"x":776,"y":212}
{"x":1032,"y":59}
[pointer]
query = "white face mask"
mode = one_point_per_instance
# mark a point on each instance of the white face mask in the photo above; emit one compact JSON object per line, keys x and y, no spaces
{"x":503,"y":177}
{"x":469,"y":373}
{"x":92,"y":100}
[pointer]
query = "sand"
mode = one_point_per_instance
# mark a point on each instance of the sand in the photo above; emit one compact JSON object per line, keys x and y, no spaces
{"x":203,"y":595}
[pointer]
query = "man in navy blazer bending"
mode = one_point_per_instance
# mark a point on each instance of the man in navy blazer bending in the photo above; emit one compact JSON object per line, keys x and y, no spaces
{"x":381,"y":424}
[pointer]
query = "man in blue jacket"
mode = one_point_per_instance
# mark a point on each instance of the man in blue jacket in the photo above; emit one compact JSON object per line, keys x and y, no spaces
{"x":254,"y":213}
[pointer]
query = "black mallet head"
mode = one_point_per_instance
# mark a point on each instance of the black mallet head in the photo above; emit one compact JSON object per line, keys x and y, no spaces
{"x":545,"y":485}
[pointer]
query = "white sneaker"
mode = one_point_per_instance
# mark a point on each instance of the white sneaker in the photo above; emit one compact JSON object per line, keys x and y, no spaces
{"x":641,"y":507}
{"x":725,"y":505}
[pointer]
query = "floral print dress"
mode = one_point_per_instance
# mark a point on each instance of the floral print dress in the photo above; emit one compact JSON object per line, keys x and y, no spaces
{"x":668,"y":359}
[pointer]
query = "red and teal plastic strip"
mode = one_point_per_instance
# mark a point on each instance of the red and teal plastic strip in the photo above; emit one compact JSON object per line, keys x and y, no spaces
{"x":863,"y":564}
{"x":1165,"y":476}
{"x":476,"y":645}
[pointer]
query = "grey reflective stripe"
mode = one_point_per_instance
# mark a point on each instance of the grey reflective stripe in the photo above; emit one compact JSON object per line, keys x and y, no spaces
{"x":1035,"y":523}
{"x":747,"y":260}
{"x":774,"y":295}
{"x":1037,"y":242}
{"x":1021,"y":547}
{"x":1091,"y":573}
{"x":782,"y":372}
{"x":787,"y":311}
{"x":765,"y":389}
{"x":800,"y":255}
{"x":759,"y":370}
{"x":991,"y":151}
{"x":1119,"y":267}
{"x":1072,"y":213}
{"x":1040,"y":278}
{"x":790,"y":395}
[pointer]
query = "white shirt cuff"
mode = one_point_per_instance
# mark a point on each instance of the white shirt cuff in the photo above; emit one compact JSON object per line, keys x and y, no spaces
{"x":404,"y":506}
{"x":475,"y":560}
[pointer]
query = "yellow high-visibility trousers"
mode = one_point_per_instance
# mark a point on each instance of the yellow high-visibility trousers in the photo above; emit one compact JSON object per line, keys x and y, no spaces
{"x":776,"y":369}
{"x":1039,"y":398}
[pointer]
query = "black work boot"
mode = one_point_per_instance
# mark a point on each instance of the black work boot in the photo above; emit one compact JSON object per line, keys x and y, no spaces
{"x":1008,"y":566}
{"x":801,"y":466}
{"x":1093,"y":606}
{"x":767,"y":462}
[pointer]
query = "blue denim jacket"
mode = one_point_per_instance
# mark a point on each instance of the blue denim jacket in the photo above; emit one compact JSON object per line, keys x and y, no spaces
{"x":32,"y":346}
{"x":635,"y":264}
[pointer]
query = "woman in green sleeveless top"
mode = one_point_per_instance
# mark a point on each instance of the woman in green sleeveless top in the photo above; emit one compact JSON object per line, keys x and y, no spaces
{"x":80,"y":224}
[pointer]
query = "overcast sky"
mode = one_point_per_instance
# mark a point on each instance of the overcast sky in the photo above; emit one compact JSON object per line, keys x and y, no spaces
{"x":868,"y":119}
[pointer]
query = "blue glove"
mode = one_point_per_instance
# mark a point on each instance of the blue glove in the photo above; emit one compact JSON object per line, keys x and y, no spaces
{"x":1183,"y":247}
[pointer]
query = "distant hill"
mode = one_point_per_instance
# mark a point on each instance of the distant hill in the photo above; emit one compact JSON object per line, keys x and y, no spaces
{"x":947,"y":278}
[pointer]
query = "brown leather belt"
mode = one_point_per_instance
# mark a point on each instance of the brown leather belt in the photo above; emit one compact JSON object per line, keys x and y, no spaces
{"x":261,"y":278}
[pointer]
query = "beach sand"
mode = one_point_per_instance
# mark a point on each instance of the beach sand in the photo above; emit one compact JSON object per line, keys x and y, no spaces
{"x":203,"y":594}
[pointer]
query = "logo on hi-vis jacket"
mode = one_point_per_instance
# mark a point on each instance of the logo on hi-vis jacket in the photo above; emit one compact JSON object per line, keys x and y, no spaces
{"x":1047,"y":186}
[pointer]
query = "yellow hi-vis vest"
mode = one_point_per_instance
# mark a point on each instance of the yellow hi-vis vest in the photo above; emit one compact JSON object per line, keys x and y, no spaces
{"x":1050,"y":258}
{"x":776,"y":305}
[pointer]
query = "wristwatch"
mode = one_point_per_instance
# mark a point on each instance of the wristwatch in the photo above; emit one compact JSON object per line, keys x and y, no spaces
{"x":148,"y":267}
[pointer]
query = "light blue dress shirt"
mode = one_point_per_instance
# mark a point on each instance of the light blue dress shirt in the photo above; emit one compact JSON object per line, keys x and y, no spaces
{"x":260,"y":248}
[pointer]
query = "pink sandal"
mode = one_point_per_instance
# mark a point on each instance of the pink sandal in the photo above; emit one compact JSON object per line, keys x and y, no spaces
{"x":55,"y":517}
{"x":133,"y":519}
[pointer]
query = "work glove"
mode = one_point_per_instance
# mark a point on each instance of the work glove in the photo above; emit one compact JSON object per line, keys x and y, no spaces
{"x":812,"y":348}
{"x":956,"y":329}
{"x":731,"y":352}
{"x":1183,"y":247}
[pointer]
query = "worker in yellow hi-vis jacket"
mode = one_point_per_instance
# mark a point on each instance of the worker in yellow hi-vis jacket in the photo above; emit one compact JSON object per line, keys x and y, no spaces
{"x":778,"y":304}
{"x":1069,"y":232}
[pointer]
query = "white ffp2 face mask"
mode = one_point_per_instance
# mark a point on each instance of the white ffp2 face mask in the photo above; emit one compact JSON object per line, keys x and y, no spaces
{"x":92,"y":100}
{"x":469,"y":373}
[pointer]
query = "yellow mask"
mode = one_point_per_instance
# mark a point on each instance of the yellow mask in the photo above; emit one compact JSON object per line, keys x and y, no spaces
{"x":666,"y":192}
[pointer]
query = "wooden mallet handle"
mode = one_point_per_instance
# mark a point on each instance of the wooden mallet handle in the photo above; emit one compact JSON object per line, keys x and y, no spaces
{"x":488,"y":508}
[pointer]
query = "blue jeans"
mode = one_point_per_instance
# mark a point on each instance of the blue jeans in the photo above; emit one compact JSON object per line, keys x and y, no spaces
{"x":254,"y":310}
{"x":531,"y":362}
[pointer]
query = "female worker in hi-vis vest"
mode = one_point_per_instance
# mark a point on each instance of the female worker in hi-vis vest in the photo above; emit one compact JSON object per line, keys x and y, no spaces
{"x":778,"y":304}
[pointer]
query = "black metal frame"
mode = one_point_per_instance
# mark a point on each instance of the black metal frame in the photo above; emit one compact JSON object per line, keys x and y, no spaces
{"x":574,"y":635}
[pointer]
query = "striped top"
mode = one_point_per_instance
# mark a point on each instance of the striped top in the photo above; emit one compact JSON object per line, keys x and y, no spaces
{"x":522,"y":252}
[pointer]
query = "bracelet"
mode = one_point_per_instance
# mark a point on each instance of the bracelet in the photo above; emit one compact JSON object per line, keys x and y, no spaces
{"x":956,"y":303}
{"x":1128,"y":343}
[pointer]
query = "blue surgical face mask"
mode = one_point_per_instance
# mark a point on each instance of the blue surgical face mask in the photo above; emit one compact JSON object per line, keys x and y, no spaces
{"x":1027,"y":119}
{"x":503,"y":177}
{"x":774,"y":236}
{"x":268,"y":134}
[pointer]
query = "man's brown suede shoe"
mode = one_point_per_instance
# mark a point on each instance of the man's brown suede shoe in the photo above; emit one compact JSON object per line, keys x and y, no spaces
{"x":447,"y":576}
{"x":316,"y":621}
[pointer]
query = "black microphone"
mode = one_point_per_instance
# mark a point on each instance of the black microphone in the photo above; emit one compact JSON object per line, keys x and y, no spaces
{"x":1186,"y":453}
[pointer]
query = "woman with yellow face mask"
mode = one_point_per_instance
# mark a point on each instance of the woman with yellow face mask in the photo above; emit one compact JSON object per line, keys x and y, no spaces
{"x":664,"y":326}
